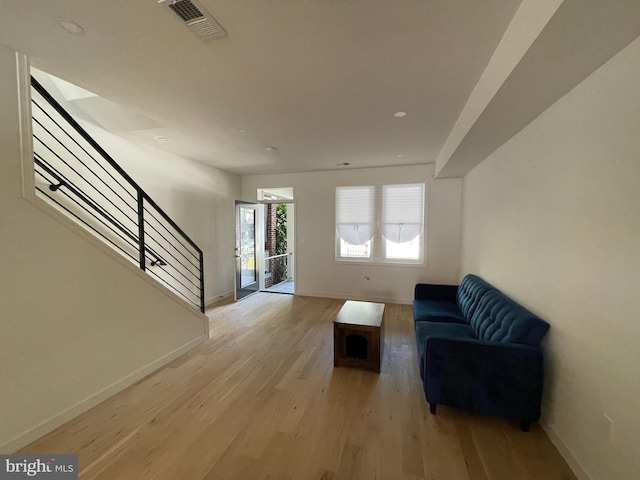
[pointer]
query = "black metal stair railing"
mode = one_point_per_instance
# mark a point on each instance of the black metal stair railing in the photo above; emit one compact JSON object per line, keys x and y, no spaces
{"x":75,"y":174}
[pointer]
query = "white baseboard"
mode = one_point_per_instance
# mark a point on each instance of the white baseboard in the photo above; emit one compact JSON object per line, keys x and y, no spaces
{"x":218,"y":298}
{"x":573,"y":463}
{"x":362,"y":298}
{"x":61,"y":418}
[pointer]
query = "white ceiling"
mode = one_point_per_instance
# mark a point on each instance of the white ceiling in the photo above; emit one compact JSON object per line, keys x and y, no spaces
{"x":320,"y":80}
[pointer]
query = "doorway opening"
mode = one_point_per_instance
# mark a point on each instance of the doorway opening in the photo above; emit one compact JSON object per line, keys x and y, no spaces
{"x":279,"y":240}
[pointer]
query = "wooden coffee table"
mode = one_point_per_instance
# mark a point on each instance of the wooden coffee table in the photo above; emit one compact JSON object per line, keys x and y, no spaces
{"x":358,"y":335}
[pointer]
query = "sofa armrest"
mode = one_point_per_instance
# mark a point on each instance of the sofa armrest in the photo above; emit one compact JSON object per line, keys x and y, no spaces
{"x":429,"y":291}
{"x":488,"y":377}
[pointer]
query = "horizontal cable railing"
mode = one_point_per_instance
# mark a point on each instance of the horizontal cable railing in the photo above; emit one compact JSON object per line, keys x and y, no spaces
{"x":73,"y":173}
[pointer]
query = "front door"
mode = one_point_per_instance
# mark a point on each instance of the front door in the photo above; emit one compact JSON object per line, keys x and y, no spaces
{"x":247,"y":280}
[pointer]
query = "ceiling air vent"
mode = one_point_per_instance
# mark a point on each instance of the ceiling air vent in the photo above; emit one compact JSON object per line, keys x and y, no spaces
{"x":195,"y":18}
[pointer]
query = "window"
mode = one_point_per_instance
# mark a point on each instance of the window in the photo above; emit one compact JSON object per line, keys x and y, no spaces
{"x":355,"y":220}
{"x":380,"y":223}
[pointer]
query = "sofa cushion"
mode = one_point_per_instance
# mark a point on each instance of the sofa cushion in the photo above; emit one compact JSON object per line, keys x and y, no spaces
{"x":498,"y":318}
{"x":425,"y":330}
{"x":470,"y":292}
{"x":436,"y":311}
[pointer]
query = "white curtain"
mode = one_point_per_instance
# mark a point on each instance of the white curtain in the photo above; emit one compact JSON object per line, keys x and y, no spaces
{"x":402,"y":215}
{"x":356,"y":213}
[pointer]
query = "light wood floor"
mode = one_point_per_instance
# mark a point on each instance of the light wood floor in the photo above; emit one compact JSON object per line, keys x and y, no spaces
{"x":261,"y":400}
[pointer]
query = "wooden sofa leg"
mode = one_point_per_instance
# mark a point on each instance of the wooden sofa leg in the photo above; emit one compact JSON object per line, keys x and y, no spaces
{"x":524,"y":425}
{"x":432,"y":408}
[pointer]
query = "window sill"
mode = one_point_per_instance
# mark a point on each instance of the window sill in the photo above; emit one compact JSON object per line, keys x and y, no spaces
{"x":374,"y":263}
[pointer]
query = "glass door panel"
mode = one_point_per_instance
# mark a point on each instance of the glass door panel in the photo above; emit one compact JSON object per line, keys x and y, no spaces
{"x":246,"y":261}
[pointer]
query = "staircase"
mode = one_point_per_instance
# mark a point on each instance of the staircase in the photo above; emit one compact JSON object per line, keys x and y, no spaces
{"x":77,"y":176}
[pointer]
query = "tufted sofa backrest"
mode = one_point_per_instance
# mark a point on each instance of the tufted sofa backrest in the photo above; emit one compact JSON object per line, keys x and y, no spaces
{"x":470,"y":292}
{"x":498,"y":318}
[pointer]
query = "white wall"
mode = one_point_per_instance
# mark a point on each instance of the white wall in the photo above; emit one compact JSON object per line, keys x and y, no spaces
{"x":553,"y":219}
{"x":318,"y":274}
{"x":77,"y":322}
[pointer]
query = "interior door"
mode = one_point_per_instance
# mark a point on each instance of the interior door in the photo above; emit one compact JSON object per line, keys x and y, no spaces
{"x":247,"y":272}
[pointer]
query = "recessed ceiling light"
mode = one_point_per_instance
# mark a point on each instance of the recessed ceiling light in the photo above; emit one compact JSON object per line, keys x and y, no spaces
{"x":70,"y":26}
{"x":271,"y":149}
{"x":240,"y":130}
{"x":162,"y":139}
{"x":400,"y":155}
{"x":400,"y":114}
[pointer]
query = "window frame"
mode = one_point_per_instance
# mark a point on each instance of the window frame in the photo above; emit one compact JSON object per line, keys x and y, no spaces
{"x":378,"y":250}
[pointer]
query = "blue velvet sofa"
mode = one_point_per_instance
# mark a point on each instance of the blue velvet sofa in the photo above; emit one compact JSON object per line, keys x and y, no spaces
{"x":479,"y":350}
